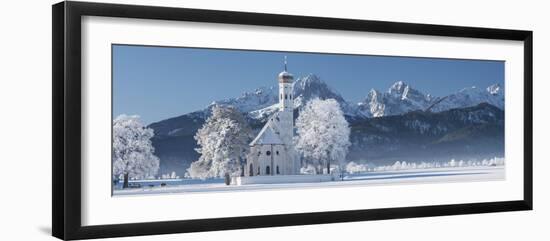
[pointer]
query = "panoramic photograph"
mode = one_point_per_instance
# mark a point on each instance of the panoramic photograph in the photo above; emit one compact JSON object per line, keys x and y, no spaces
{"x":195,"y":120}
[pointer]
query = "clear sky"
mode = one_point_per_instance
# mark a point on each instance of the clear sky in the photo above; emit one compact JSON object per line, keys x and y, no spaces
{"x":162,"y":82}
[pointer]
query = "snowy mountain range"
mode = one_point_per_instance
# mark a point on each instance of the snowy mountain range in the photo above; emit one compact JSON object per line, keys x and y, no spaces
{"x":400,"y":98}
{"x":263,"y":102}
{"x":493,"y":95}
{"x":373,"y":120}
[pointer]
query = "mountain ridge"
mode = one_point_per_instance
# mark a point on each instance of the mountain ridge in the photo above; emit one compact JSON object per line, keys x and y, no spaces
{"x":400,"y":98}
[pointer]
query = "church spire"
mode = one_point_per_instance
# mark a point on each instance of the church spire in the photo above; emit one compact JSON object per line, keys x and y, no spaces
{"x":285,"y":77}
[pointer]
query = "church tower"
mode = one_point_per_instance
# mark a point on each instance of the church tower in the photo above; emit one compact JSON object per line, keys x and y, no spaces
{"x":286,"y":115}
{"x":285,"y":90}
{"x":286,"y":105}
{"x":272,"y":151}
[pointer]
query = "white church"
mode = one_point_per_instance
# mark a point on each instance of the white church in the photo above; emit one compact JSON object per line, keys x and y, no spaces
{"x":272,"y":151}
{"x":272,"y":157}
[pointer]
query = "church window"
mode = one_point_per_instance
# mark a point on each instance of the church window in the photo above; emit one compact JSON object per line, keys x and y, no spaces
{"x":277,"y":152}
{"x":251,"y":170}
{"x":268,"y":153}
{"x":258,"y":173}
{"x":267,"y":171}
{"x":281,"y":96}
{"x":259,"y":153}
{"x":278,"y":170}
{"x":285,"y":96}
{"x":290,"y":97}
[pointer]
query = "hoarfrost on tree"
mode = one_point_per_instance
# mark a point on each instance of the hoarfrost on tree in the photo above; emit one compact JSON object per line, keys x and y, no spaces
{"x":133,"y":153}
{"x":223,"y":144}
{"x":323,"y":134}
{"x":353,"y":167}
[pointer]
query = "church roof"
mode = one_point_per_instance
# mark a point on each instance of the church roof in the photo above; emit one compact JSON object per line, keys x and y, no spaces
{"x":267,"y":136}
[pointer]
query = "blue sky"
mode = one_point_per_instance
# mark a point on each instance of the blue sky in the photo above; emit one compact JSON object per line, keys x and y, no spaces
{"x":162,"y":82}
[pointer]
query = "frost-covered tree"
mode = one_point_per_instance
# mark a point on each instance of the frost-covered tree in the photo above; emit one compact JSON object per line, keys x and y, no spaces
{"x":132,"y":154}
{"x":323,"y":134}
{"x":223,"y":143}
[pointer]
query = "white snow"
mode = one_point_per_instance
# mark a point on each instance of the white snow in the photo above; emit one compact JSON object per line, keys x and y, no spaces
{"x":430,"y":175}
{"x":494,"y":89}
{"x":267,"y":136}
{"x":466,"y":97}
{"x":278,"y":179}
{"x":264,"y":112}
{"x":401,"y":98}
{"x":250,"y":101}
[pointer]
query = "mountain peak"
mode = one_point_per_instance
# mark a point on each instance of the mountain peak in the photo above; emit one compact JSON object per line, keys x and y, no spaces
{"x":471,"y":96}
{"x":310,"y":79}
{"x":311,"y":82}
{"x":494,"y":89}
{"x":311,"y":86}
{"x":398,"y":87}
{"x":257,"y":91}
{"x":468,"y":89}
{"x":312,"y":75}
{"x":372,"y":91}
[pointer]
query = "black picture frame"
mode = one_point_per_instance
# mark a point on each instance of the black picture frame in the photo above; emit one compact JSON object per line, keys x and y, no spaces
{"x":66,"y":127}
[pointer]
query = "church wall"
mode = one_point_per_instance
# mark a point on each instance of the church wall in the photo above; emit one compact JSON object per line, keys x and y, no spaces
{"x":263,"y":160}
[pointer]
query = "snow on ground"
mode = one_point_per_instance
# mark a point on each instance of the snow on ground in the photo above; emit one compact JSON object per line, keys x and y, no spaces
{"x":432,"y":175}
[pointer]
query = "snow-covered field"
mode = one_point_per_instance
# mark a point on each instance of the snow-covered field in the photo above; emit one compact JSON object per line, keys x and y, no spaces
{"x":410,"y":176}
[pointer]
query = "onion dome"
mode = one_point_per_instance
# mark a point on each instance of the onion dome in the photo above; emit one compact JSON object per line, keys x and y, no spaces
{"x":285,"y":77}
